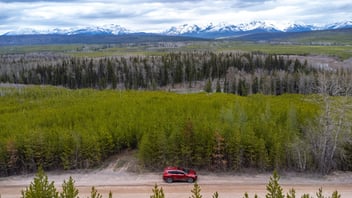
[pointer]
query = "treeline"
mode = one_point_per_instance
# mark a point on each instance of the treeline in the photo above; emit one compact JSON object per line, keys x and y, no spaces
{"x":56,"y":39}
{"x":230,"y":72}
{"x":59,"y":128}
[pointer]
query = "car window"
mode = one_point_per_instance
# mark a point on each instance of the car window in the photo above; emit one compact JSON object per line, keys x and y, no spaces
{"x":180,"y":172}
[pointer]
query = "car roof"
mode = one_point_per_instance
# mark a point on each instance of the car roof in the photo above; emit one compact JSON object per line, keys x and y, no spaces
{"x":173,"y":168}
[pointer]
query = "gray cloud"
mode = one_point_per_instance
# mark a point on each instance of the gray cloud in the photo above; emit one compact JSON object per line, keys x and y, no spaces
{"x":107,"y":14}
{"x":5,"y":17}
{"x":32,"y":1}
{"x":249,"y":4}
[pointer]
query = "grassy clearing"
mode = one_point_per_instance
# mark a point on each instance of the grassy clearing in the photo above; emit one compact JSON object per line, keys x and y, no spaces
{"x":116,"y":51}
{"x":339,"y":37}
{"x":343,"y":52}
{"x":100,"y":50}
{"x":39,"y":48}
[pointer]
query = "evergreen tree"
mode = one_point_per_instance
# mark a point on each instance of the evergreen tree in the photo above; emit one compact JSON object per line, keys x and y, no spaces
{"x":208,"y":87}
{"x":40,"y":187}
{"x":291,"y":193}
{"x":218,"y":86}
{"x":95,"y":194}
{"x":274,"y":189}
{"x":196,"y":191}
{"x":219,"y":162}
{"x":68,"y":189}
{"x":187,"y":144}
{"x":215,"y":195}
{"x":335,"y":194}
{"x":320,"y":193}
{"x":157,"y":193}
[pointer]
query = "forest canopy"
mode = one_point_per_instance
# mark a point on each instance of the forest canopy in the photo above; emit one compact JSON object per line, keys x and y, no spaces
{"x":251,"y":110}
{"x":59,"y":128}
{"x":239,"y":73}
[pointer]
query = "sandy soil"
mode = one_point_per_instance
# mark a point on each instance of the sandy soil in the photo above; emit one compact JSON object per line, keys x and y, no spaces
{"x":117,"y":178}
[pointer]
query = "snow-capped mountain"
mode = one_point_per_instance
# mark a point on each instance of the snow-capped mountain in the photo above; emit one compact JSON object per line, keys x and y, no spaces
{"x":223,"y":29}
{"x":106,"y":29}
{"x":258,"y":25}
{"x":339,"y":25}
{"x":93,"y":30}
{"x":192,"y":30}
{"x":183,"y":29}
{"x":300,"y":28}
{"x":23,"y":31}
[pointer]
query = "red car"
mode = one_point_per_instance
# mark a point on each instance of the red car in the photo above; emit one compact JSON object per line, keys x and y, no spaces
{"x":172,"y":174}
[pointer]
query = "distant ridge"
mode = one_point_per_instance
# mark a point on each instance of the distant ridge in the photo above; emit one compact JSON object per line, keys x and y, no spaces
{"x":224,"y":30}
{"x":258,"y":31}
{"x":94,"y":30}
{"x":210,"y":31}
{"x":318,"y":37}
{"x":47,"y":39}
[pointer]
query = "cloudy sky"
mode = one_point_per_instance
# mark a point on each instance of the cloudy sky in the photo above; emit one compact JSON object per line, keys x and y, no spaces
{"x":159,"y":15}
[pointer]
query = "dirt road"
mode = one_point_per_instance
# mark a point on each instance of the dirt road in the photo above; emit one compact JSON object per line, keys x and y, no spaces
{"x":116,"y":176}
{"x":125,"y":184}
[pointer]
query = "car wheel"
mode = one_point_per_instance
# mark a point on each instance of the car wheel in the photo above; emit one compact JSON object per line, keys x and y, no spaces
{"x":190,"y":180}
{"x":169,"y":180}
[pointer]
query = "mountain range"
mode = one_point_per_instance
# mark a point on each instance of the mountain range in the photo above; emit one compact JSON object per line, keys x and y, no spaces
{"x":211,"y":31}
{"x":91,"y":30}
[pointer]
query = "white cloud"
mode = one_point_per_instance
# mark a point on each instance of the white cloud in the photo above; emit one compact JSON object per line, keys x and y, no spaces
{"x":158,"y":15}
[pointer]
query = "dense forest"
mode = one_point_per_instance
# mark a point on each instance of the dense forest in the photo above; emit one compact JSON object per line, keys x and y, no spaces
{"x":281,"y":114}
{"x":230,"y":72}
{"x":59,"y":128}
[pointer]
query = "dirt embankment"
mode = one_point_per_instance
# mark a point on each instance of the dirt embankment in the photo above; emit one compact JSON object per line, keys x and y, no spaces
{"x":124,"y":179}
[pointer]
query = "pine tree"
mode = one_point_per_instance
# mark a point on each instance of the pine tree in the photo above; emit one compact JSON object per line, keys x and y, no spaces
{"x":218,"y":86}
{"x":215,"y":195}
{"x":208,"y":87}
{"x":187,"y":144}
{"x":320,"y":193}
{"x":291,"y":193}
{"x":157,"y":193}
{"x":245,"y":195}
{"x":274,"y":189}
{"x":40,"y":187}
{"x":68,"y":189}
{"x":196,"y":191}
{"x":335,"y":194}
{"x":219,"y":162}
{"x":94,"y":193}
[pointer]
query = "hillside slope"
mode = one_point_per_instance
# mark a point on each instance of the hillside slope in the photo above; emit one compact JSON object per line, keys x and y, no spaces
{"x":323,"y":37}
